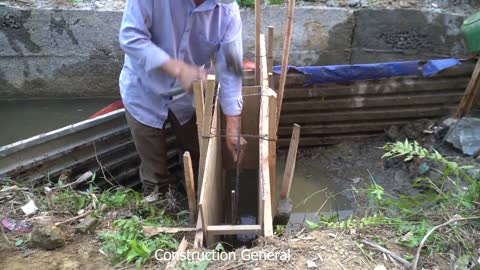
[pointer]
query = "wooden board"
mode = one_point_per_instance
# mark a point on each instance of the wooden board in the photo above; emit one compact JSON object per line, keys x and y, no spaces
{"x":265,"y":203}
{"x":251,"y":108}
{"x":234,"y":229}
{"x":211,"y":195}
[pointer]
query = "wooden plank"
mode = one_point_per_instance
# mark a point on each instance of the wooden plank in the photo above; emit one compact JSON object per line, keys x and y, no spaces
{"x":290,"y":164}
{"x":190,"y":185}
{"x":150,"y":231}
{"x":265,"y":203}
{"x":335,"y":128}
{"x":258,"y":10}
{"x":198,"y":241}
{"x":211,"y":195}
{"x":272,"y":144}
{"x":367,"y":114}
{"x":380,"y":88}
{"x":234,"y":229}
{"x":286,"y":50}
{"x":271,"y":30}
{"x":207,"y":125}
{"x":263,"y":62}
{"x":470,"y":93}
{"x":251,"y":108}
{"x":181,"y":249}
{"x":327,"y":140}
{"x":199,"y":108}
{"x":369,"y":102}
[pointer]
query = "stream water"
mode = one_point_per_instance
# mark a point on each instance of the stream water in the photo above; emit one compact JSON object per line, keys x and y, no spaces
{"x":22,"y":119}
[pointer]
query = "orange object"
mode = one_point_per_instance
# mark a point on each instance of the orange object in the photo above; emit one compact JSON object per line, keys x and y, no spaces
{"x":110,"y":108}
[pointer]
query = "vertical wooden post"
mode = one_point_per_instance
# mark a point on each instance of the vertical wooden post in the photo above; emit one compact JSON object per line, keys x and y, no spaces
{"x":199,"y":108}
{"x":270,"y":50}
{"x":258,"y":9}
{"x":206,"y":129}
{"x":290,"y":165}
{"x":286,"y":49}
{"x":190,"y":185}
{"x":470,"y":93}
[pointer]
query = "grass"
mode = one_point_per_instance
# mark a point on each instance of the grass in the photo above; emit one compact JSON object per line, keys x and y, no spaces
{"x":454,"y":194}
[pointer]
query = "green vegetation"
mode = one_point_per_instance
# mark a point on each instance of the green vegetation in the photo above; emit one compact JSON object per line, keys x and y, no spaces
{"x":452,"y":195}
{"x":251,"y":3}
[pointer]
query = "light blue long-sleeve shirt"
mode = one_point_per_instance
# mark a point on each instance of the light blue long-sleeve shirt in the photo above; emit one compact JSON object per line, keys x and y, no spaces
{"x":154,"y":31}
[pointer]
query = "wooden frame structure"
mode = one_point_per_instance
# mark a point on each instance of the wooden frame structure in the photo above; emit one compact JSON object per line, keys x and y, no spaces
{"x":259,"y":122}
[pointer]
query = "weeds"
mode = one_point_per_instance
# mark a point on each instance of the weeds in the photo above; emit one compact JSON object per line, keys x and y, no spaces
{"x":453,"y":195}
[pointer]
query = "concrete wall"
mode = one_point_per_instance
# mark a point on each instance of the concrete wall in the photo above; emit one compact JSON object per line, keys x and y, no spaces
{"x":47,"y":53}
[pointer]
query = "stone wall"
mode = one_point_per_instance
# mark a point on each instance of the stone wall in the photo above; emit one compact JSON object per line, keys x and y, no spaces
{"x":70,"y":53}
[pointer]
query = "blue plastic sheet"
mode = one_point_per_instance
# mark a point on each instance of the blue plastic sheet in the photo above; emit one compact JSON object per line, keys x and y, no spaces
{"x":346,"y":73}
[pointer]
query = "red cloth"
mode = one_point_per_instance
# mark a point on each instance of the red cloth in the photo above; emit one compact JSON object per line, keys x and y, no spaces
{"x":110,"y":108}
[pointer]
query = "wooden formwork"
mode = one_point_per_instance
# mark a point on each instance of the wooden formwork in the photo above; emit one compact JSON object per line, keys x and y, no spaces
{"x":258,"y":122}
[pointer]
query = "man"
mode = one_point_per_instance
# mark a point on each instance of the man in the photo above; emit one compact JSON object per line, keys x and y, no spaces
{"x":166,"y":42}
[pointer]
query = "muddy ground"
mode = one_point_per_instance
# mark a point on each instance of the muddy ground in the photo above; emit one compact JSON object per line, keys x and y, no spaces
{"x":349,"y":165}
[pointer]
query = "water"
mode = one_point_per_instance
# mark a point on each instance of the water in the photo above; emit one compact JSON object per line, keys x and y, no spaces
{"x":22,"y":119}
{"x":312,"y":189}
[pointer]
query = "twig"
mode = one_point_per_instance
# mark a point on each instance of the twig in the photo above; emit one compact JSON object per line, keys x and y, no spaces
{"x":417,"y":257}
{"x":74,"y":218}
{"x":5,"y":236}
{"x":406,"y":263}
{"x":340,"y":264}
{"x":84,"y":177}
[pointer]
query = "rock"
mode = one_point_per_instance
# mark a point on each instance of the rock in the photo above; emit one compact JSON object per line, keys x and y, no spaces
{"x":464,"y":136}
{"x":311,"y":264}
{"x":402,"y":177}
{"x":449,"y":122}
{"x":380,"y":267}
{"x":394,"y":134}
{"x":87,"y":225}
{"x":353,"y":3}
{"x":47,"y":236}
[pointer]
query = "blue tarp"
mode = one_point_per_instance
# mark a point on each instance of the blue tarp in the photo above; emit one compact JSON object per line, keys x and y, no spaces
{"x":346,"y":73}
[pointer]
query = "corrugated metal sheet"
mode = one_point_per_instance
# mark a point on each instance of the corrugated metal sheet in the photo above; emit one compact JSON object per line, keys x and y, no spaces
{"x":331,"y":113}
{"x":103,"y":145}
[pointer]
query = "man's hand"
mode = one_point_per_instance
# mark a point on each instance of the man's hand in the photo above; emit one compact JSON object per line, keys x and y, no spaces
{"x":186,"y":74}
{"x":233,"y":131}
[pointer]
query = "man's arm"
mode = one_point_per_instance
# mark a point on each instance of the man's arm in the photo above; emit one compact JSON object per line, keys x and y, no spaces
{"x":231,"y":98}
{"x":136,"y":41}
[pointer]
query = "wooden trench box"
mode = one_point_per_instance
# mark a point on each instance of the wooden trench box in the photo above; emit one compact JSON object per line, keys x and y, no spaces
{"x":259,"y":119}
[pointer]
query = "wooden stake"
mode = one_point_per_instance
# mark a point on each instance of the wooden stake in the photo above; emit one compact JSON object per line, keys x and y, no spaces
{"x":470,"y":93}
{"x":258,"y":9}
{"x":190,"y":183}
{"x":181,"y":249}
{"x":270,"y":50}
{"x":290,"y":165}
{"x":263,"y":63}
{"x":199,"y":108}
{"x":150,"y":231}
{"x":286,"y":49}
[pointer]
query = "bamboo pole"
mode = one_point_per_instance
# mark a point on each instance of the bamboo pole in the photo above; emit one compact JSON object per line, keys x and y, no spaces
{"x":470,"y":93}
{"x":270,"y":50}
{"x":286,"y":49}
{"x":258,"y":8}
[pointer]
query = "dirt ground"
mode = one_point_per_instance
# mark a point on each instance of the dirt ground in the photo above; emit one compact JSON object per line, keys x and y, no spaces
{"x":80,"y":252}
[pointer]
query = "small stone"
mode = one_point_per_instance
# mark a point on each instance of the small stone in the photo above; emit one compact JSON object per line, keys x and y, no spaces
{"x":449,"y":122}
{"x":353,"y":3}
{"x":311,"y":264}
{"x":402,"y":177}
{"x":87,"y":225}
{"x":47,"y":236}
{"x":380,"y":267}
{"x":405,"y":4}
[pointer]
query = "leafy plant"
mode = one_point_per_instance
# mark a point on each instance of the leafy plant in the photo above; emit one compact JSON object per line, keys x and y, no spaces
{"x":127,"y":242}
